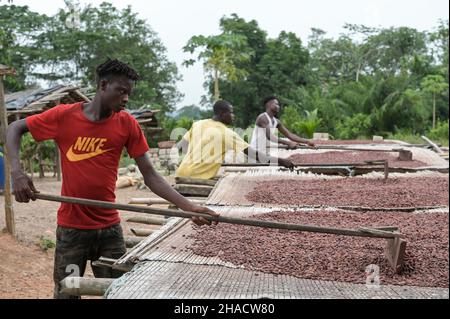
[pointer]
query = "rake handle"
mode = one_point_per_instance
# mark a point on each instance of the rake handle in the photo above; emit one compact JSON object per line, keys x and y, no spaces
{"x":222,"y":219}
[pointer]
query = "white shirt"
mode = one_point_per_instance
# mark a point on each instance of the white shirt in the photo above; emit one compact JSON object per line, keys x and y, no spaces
{"x":259,"y":140}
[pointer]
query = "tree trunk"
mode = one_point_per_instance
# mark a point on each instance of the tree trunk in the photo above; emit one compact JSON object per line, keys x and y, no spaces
{"x":216,"y":86}
{"x":9,"y":211}
{"x":358,"y":72}
{"x":434,"y":111}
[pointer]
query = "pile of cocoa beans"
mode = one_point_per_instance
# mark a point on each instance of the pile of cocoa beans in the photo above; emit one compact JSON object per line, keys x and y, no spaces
{"x":357,"y":191}
{"x":332,"y":257}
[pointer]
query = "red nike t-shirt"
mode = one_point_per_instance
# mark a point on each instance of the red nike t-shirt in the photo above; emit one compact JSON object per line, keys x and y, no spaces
{"x":90,"y":155}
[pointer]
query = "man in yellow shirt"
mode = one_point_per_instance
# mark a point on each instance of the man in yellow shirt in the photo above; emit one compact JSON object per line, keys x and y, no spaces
{"x":207,"y":142}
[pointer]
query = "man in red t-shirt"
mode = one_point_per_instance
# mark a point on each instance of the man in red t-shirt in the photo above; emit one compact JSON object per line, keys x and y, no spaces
{"x":91,"y":137}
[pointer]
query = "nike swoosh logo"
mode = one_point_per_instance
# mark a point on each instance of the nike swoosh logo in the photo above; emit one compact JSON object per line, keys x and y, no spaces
{"x":80,"y":157}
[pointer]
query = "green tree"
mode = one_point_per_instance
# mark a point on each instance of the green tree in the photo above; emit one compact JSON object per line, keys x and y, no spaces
{"x":19,"y":32}
{"x":219,"y":54}
{"x":245,"y":93}
{"x":439,"y":45}
{"x":71,"y":52}
{"x":283,"y":67}
{"x":434,"y":85}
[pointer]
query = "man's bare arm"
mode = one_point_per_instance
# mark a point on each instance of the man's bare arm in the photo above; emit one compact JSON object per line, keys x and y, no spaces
{"x":162,"y":188}
{"x":23,"y":187}
{"x":294,"y":137}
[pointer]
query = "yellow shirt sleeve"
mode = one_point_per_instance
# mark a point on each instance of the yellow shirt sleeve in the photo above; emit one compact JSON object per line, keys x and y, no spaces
{"x":234,"y":142}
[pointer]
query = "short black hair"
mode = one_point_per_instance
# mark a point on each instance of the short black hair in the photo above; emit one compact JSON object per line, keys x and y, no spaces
{"x":269,"y":98}
{"x":114,"y":67}
{"x":221,"y":106}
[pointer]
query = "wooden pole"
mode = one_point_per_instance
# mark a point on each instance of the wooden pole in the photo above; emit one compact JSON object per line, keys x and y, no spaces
{"x":147,"y":220}
{"x":194,"y":181}
{"x":395,"y":245}
{"x":131,"y":241}
{"x":433,"y":145}
{"x":79,"y":286}
{"x":158,"y":201}
{"x":140,"y":232}
{"x":9,"y":211}
{"x":231,"y":220}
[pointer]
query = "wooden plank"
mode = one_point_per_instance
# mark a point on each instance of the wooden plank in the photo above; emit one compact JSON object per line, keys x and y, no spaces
{"x":145,"y":121}
{"x":9,"y":211}
{"x":405,"y":155}
{"x":84,"y":97}
{"x":380,"y":232}
{"x":193,"y":190}
{"x":22,"y":112}
{"x":147,"y":220}
{"x":131,"y":241}
{"x":435,"y":147}
{"x":6,"y":70}
{"x":195,"y":181}
{"x":395,"y":253}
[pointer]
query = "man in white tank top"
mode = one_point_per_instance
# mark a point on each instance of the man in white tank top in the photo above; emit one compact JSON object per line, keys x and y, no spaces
{"x":264,"y":134}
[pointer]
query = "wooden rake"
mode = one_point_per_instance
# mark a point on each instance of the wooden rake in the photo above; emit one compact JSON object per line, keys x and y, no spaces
{"x":395,"y":247}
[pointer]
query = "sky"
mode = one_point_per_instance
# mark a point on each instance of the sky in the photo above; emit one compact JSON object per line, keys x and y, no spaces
{"x":176,"y":21}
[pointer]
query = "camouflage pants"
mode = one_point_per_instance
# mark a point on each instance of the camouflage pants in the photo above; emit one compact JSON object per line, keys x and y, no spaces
{"x":74,"y":247}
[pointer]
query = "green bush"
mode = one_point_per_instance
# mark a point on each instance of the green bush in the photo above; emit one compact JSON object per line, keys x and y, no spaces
{"x":303,"y":126}
{"x":405,"y":136}
{"x":356,"y":126}
{"x":440,"y":133}
{"x":46,"y":243}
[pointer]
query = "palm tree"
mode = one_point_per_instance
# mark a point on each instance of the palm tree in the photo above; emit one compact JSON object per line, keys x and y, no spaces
{"x":220,"y":54}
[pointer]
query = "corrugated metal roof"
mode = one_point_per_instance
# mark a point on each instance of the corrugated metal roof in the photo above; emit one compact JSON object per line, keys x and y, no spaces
{"x":21,"y":99}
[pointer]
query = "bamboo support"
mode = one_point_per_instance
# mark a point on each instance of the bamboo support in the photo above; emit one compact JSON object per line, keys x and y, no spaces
{"x":433,"y":145}
{"x":9,"y":211}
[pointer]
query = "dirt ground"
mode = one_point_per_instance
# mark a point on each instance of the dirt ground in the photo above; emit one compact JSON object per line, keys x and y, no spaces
{"x":26,"y":269}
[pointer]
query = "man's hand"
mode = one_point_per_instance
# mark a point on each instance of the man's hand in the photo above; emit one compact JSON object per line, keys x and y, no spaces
{"x":200,"y":221}
{"x":286,"y":163}
{"x":292,"y":145}
{"x":311,"y":144}
{"x":23,"y":187}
